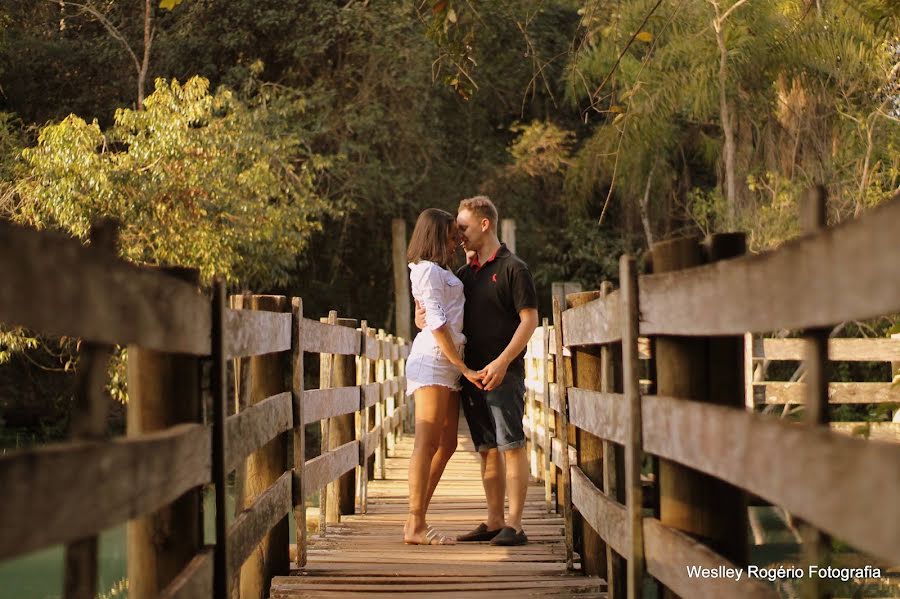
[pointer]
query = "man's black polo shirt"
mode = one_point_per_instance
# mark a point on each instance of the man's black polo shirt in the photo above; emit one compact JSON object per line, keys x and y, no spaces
{"x":495,"y":293}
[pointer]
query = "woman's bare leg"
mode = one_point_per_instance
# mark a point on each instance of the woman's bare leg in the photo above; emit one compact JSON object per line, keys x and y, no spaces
{"x":431,"y":414}
{"x":446,"y":447}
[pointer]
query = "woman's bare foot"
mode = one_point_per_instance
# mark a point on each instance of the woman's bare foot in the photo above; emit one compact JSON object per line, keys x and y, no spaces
{"x":426,"y":536}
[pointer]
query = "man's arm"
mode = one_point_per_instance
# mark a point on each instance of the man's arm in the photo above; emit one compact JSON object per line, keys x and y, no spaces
{"x":496,"y":370}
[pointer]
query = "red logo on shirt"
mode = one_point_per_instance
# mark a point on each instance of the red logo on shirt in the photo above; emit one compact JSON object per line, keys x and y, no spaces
{"x":494,"y":278}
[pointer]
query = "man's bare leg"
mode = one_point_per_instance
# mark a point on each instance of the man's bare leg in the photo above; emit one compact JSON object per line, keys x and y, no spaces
{"x":516,"y":484}
{"x":493,"y":477}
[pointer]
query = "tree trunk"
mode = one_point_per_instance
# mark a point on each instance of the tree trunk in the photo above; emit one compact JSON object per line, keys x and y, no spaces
{"x":725,"y":113}
{"x":145,"y":62}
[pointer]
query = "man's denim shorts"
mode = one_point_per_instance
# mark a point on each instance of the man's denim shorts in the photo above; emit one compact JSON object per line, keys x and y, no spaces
{"x":495,"y":417}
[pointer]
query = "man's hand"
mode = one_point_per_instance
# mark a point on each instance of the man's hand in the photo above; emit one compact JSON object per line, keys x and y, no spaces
{"x":420,"y":316}
{"x":493,"y":374}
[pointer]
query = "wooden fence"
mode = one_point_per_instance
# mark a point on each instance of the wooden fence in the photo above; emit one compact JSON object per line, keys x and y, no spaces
{"x":180,"y":436}
{"x":593,"y":420}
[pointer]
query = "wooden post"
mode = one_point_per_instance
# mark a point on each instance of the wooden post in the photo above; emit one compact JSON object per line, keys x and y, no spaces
{"x":299,"y":431}
{"x":816,"y":544}
{"x":508,"y":233}
{"x":391,"y":403}
{"x":88,"y":423}
{"x":265,"y":466}
{"x":381,"y":411}
{"x":163,"y":390}
{"x":634,"y":578}
{"x":709,"y":371}
{"x":586,"y":375}
{"x":562,"y":289}
{"x":402,"y":304}
{"x":219,"y":387}
{"x":326,"y":381}
{"x":563,"y":489}
{"x":613,"y":457}
{"x":545,"y":379}
{"x":341,"y":492}
{"x":895,"y":372}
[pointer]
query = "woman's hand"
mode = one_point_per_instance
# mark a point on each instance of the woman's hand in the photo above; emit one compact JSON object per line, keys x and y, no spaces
{"x":473,"y":376}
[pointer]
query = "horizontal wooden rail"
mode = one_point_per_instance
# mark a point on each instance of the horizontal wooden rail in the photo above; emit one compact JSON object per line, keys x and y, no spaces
{"x":810,"y":472}
{"x":319,"y":337}
{"x":607,"y":517}
{"x":874,"y":431}
{"x":604,"y":415}
{"x":328,"y":466}
{"x":372,"y":349}
{"x":319,"y":404}
{"x":253,"y":523}
{"x":556,"y":452}
{"x":373,"y":438}
{"x":196,"y":580}
{"x":668,"y":553}
{"x":849,"y":272}
{"x":371,"y":394}
{"x":843,"y":393}
{"x":255,"y":332}
{"x":105,"y":484}
{"x":554,"y":397}
{"x":86,"y":293}
{"x":594,"y":323}
{"x":851,"y":350}
{"x":250,"y":429}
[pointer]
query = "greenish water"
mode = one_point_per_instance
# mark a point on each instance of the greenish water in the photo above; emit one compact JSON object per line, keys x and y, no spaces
{"x":39,"y":575}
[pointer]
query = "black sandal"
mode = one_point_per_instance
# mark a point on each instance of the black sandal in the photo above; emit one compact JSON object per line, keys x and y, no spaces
{"x":508,"y":537}
{"x":481,"y":533}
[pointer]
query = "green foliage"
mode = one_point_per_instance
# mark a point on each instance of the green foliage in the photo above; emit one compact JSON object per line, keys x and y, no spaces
{"x":197,"y":179}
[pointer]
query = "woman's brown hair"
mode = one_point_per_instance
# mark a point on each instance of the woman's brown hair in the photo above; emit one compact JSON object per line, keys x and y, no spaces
{"x":429,"y":238}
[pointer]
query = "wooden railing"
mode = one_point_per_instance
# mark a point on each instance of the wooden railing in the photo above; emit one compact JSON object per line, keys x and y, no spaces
{"x":593,"y":420}
{"x":763,"y":394}
{"x":68,"y":493}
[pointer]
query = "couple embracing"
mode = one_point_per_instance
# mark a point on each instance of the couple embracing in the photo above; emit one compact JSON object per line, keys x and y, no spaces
{"x":474,"y":325}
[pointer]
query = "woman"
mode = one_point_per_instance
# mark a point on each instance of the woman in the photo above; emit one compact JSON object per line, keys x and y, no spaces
{"x":434,"y":365}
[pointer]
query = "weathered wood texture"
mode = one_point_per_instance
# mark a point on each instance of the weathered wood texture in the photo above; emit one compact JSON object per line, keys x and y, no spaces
{"x":330,"y":465}
{"x":253,"y":333}
{"x":319,"y":404}
{"x":251,"y":429}
{"x":668,"y":551}
{"x":319,"y":337}
{"x":853,"y":350}
{"x":195,"y":580}
{"x":84,"y":292}
{"x":594,"y":323}
{"x":364,"y":555}
{"x":832,"y":467}
{"x":254,"y":522}
{"x":100,"y":478}
{"x":839,"y":393}
{"x":849,"y":272}
{"x":606,"y":516}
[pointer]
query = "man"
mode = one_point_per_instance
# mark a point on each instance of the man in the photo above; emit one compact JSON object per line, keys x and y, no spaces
{"x":500,"y":317}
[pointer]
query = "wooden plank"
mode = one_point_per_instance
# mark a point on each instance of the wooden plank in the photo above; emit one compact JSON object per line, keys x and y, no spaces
{"x":815,"y":281}
{"x":196,"y":580}
{"x":254,"y":522}
{"x":371,"y":394}
{"x":596,"y":322}
{"x":828,"y":480}
{"x":838,"y":393}
{"x":373,"y":438}
{"x":404,"y":351}
{"x":323,"y":338}
{"x":604,"y":415}
{"x":255,"y":426}
{"x":669,"y":554}
{"x":86,"y":292}
{"x":372,"y":349}
{"x":319,"y":404}
{"x":329,"y":466}
{"x":556,"y":452}
{"x":851,"y":350}
{"x":256,"y":332}
{"x":876,"y":431}
{"x":553,"y":389}
{"x":109,"y":482}
{"x":608,"y":518}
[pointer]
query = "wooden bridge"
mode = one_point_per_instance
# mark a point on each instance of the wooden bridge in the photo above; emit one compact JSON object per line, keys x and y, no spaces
{"x":609,"y":415}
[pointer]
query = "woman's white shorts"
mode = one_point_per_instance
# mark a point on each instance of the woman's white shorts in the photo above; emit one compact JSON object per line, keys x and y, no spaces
{"x":431,"y":367}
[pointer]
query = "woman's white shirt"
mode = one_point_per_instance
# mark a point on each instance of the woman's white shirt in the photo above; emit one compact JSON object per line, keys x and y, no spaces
{"x":441,"y":294}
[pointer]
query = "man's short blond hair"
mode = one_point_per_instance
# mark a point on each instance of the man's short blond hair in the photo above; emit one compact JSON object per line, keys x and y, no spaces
{"x":482,"y":207}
